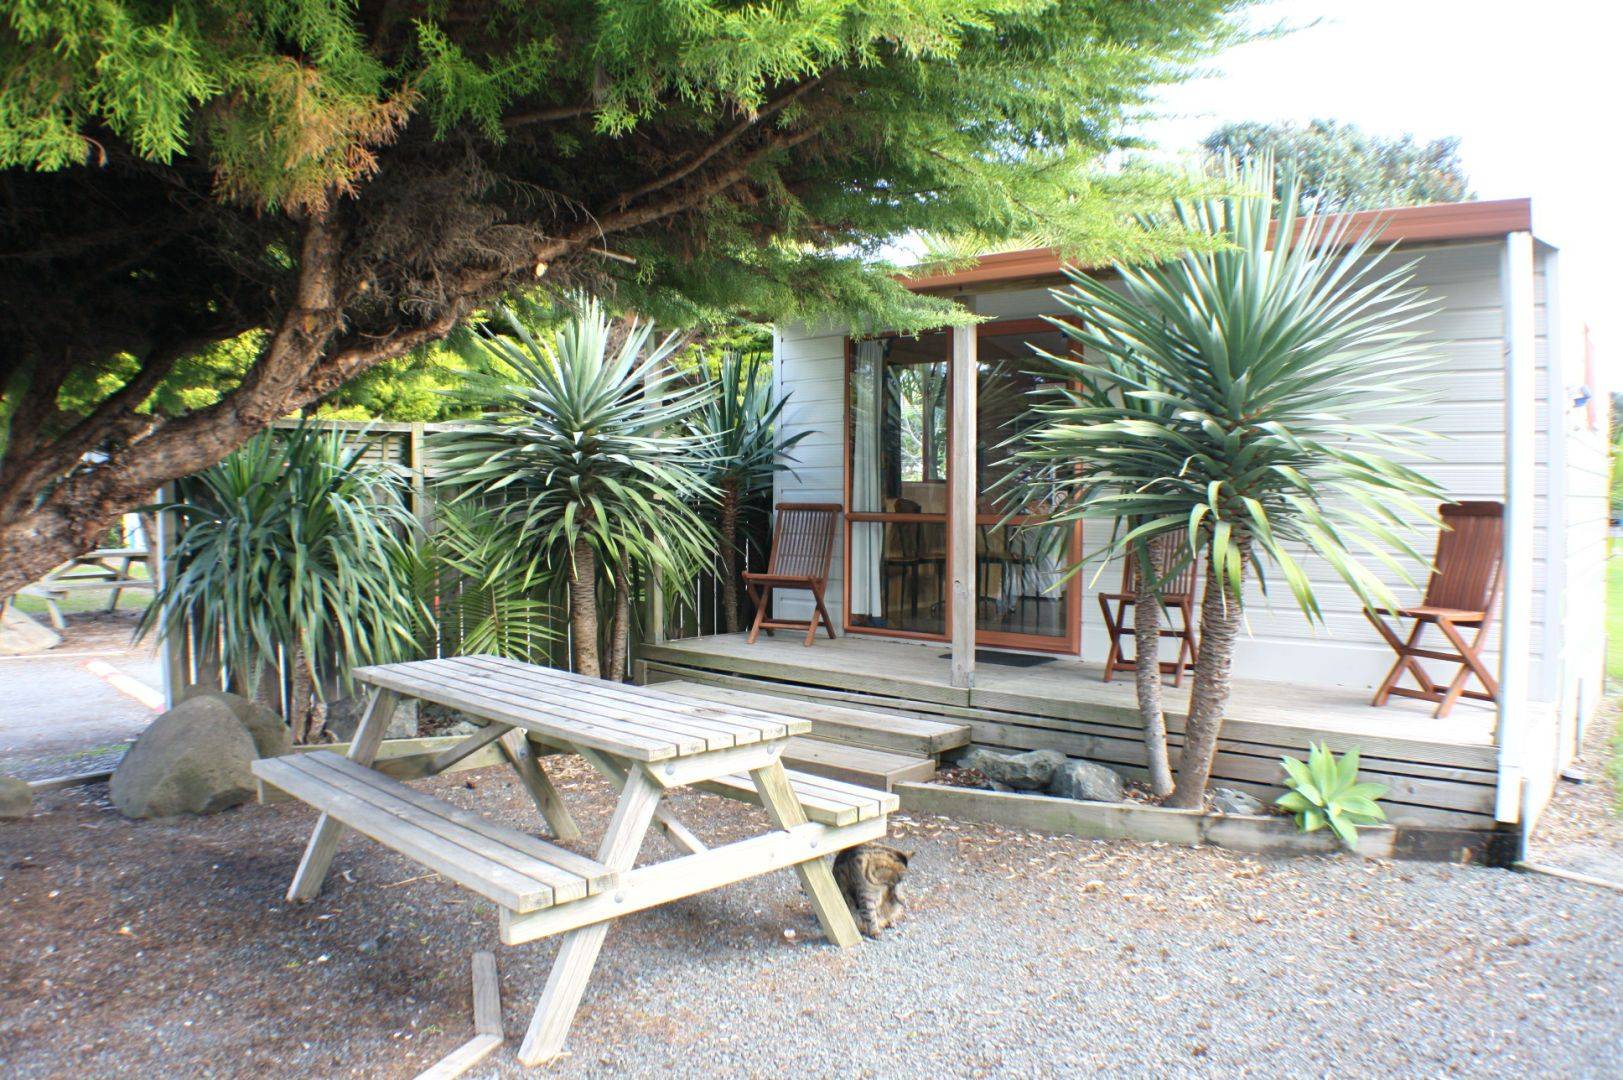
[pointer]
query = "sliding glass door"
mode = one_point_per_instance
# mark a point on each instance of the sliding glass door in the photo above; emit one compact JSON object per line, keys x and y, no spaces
{"x":897,"y":438}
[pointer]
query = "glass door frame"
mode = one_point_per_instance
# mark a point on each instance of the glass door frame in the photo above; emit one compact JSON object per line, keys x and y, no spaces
{"x":1071,"y":643}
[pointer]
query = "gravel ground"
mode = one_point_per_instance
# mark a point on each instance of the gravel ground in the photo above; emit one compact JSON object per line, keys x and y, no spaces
{"x":142,"y":949}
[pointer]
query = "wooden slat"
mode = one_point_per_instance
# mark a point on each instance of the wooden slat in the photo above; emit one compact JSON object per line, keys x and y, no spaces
{"x":829,"y":802}
{"x":553,"y":864}
{"x":541,"y":719}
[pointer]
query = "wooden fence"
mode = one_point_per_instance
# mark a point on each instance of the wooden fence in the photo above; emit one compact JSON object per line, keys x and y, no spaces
{"x":689,"y":609}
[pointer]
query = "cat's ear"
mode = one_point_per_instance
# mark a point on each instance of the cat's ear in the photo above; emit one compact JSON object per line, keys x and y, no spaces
{"x":904,"y":855}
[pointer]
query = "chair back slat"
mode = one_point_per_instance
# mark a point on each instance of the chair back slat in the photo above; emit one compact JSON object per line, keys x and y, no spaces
{"x":803,"y":540}
{"x":1172,"y":548}
{"x":1470,"y":553}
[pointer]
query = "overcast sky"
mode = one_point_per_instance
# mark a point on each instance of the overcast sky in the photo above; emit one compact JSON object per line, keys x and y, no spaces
{"x":1534,"y":90}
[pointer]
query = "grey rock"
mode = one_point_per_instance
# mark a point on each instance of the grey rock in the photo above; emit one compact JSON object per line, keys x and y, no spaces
{"x":22,"y":636}
{"x":1228,"y":801}
{"x":1087,"y":781}
{"x":194,"y":759}
{"x":1030,"y":771}
{"x":344,"y":716}
{"x":272,"y":737}
{"x":16,"y":798}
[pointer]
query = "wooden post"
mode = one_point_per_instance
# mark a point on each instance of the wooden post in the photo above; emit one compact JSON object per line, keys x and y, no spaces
{"x":654,"y":625}
{"x":961,"y":504}
{"x":173,"y":654}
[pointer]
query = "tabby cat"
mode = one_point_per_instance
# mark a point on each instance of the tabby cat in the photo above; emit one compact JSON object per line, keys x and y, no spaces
{"x":870,"y":876}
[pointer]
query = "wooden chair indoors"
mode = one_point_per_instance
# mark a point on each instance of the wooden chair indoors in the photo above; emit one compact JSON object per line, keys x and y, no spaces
{"x":1461,"y":595}
{"x":1177,"y":595}
{"x":802,"y":547}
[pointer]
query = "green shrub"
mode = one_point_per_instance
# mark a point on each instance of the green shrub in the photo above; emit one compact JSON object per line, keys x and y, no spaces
{"x":1324,"y":791}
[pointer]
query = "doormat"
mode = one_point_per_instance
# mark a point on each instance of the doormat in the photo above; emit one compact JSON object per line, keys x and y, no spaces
{"x":1006,"y":659}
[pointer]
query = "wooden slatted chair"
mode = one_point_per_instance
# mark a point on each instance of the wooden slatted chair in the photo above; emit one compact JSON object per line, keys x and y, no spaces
{"x":1177,"y":594}
{"x":1462,"y":593}
{"x":802,"y":547}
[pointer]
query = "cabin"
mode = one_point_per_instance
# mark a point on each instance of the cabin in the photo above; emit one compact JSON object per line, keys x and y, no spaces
{"x":946,"y":615}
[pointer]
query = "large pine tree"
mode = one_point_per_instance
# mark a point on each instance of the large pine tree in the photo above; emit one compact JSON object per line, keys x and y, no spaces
{"x":334,"y":183}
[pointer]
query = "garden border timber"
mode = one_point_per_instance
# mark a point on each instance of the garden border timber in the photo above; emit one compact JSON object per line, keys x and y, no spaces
{"x":1257,"y":834}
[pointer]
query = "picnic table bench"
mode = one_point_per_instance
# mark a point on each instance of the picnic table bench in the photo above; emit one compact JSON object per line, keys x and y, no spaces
{"x":103,"y":568}
{"x":645,"y":742}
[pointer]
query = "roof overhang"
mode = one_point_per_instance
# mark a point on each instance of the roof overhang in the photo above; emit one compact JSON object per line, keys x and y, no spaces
{"x":1401,"y":225}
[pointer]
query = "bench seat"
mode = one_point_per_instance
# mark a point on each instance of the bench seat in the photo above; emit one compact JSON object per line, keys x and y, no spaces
{"x":511,"y":869}
{"x":827,"y":802}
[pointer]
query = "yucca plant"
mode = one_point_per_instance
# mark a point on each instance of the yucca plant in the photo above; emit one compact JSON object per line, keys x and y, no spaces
{"x":587,"y":460}
{"x":293,"y":548}
{"x":739,"y":424}
{"x":1238,"y":392}
{"x":489,"y":592}
{"x":1324,"y":791}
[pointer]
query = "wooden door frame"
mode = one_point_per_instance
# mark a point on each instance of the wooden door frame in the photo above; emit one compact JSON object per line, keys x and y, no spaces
{"x":1071,"y":643}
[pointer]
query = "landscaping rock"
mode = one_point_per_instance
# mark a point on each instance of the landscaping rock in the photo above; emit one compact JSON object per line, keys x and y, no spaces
{"x":16,"y":798}
{"x":194,"y":759}
{"x":1228,"y":801}
{"x":22,"y":636}
{"x":1030,"y":771}
{"x":1087,"y":781}
{"x":272,"y":737}
{"x":344,"y":716}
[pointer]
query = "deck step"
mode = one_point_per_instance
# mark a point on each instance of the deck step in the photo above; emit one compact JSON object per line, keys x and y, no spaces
{"x":881,"y":769}
{"x":516,"y":871}
{"x":836,"y":723}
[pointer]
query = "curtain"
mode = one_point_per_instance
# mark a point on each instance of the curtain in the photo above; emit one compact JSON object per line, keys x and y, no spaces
{"x":867,"y":485}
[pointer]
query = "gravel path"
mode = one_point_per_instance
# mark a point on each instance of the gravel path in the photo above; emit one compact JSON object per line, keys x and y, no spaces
{"x":140,"y":949}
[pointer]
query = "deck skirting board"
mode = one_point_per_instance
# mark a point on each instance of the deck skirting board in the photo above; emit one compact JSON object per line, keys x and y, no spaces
{"x":1431,"y":784}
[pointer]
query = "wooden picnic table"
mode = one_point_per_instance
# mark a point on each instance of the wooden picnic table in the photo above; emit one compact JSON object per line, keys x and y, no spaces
{"x":103,"y":568}
{"x":645,"y":742}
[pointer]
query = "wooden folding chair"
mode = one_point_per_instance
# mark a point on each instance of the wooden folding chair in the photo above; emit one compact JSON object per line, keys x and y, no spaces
{"x":802,"y":546}
{"x":1462,"y":594}
{"x":1177,"y":594}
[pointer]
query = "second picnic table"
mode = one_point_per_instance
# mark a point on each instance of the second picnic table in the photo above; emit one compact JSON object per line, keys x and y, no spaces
{"x":645,"y":742}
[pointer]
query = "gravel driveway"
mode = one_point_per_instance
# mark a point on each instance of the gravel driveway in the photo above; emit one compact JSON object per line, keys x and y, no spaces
{"x":141,"y":949}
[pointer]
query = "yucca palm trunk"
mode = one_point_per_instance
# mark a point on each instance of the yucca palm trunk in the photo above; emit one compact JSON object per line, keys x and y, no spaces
{"x":1220,"y":619}
{"x":620,"y":630}
{"x":1147,"y":674}
{"x":730,"y":506}
{"x":583,"y":608}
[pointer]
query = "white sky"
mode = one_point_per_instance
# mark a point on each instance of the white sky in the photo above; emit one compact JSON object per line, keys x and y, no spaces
{"x":1533,"y":90}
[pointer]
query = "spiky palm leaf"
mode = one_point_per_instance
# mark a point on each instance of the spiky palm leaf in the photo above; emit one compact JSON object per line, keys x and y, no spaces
{"x":491,"y":594}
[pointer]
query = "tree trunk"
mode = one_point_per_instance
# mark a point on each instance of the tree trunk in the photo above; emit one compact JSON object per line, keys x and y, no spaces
{"x":583,"y":609}
{"x":620,"y":632}
{"x":300,"y":693}
{"x":1220,"y":616}
{"x":1147,"y":672}
{"x":729,"y":554}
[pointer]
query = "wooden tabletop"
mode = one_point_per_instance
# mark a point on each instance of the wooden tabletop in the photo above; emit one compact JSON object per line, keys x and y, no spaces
{"x":639,"y":723}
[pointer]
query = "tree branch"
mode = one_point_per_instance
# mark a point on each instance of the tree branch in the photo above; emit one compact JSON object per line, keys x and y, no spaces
{"x":547,"y":116}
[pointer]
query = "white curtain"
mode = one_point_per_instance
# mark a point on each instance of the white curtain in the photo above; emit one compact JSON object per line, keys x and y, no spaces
{"x":867,"y":494}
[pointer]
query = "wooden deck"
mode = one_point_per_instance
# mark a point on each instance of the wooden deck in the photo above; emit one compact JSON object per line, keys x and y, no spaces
{"x":1441,"y":773}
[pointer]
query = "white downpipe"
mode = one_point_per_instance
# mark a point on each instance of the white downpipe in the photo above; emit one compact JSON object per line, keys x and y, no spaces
{"x":1521,"y":423}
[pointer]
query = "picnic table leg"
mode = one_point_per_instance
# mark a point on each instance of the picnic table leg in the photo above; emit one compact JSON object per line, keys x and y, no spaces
{"x":667,"y":822}
{"x":816,"y":876}
{"x":516,"y":748}
{"x":318,"y":853}
{"x":578,"y":953}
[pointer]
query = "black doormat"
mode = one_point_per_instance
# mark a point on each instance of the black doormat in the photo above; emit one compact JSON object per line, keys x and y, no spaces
{"x":1005,"y":659}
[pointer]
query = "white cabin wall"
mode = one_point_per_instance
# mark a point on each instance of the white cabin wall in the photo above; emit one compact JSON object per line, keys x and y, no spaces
{"x":1468,"y":416}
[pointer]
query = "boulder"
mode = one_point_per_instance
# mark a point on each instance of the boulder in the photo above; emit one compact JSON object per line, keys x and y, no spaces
{"x":1030,"y":771}
{"x":22,"y":636}
{"x":272,"y":737}
{"x":344,"y":716}
{"x":1228,"y":801}
{"x":16,"y":798}
{"x":1087,"y":781}
{"x":194,"y":759}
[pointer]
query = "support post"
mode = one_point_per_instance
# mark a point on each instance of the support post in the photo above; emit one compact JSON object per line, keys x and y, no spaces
{"x":1521,"y":401}
{"x":961,"y":504}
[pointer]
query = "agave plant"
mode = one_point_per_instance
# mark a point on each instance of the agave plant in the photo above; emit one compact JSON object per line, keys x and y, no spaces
{"x":1238,"y":392}
{"x":294,"y":547}
{"x":1324,"y":791}
{"x":739,"y":423}
{"x":587,"y":460}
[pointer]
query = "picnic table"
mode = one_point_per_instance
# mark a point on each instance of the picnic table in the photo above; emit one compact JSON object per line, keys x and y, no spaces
{"x":103,"y":568}
{"x":645,"y":742}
